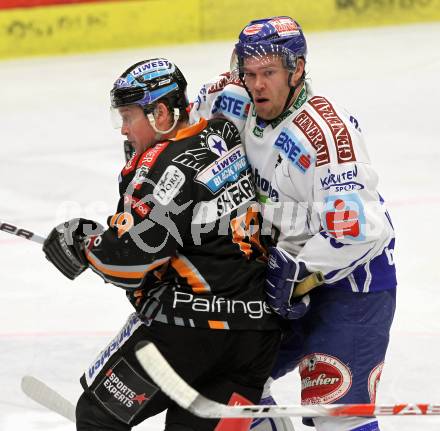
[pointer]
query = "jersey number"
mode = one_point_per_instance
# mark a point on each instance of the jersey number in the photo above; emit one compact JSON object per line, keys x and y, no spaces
{"x":246,"y":232}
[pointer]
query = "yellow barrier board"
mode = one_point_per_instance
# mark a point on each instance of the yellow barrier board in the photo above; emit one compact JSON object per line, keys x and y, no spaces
{"x":96,"y":26}
{"x":316,"y":15}
{"x":115,"y":25}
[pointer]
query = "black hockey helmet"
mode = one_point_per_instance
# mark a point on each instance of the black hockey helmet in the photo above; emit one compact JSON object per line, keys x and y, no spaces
{"x":148,"y":82}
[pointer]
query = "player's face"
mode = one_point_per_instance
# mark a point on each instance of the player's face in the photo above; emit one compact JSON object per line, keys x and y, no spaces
{"x":137,"y":128}
{"x":266,"y":78}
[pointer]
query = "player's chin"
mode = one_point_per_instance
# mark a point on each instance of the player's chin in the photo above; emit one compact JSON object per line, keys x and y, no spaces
{"x":263,"y":113}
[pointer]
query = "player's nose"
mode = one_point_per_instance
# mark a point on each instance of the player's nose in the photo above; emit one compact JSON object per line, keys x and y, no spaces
{"x":259,"y":83}
{"x":124,"y":129}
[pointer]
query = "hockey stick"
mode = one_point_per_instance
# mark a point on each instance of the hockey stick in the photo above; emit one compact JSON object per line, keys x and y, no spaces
{"x":47,"y":397}
{"x":23,"y":233}
{"x":312,"y":281}
{"x":188,"y":398}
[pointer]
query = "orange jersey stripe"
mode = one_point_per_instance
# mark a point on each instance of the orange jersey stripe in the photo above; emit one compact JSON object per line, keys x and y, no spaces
{"x":197,"y":285}
{"x":216,"y":324}
{"x":191,"y":130}
{"x":119,"y":273}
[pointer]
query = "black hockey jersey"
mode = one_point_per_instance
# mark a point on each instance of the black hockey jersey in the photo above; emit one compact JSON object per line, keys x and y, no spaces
{"x":185,"y":240}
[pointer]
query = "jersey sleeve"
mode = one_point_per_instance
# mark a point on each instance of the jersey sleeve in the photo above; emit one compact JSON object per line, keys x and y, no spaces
{"x":223,"y":96}
{"x":351,"y":221}
{"x":354,"y":226}
{"x":151,"y":220}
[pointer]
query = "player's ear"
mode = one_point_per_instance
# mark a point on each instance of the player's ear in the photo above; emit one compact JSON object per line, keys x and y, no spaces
{"x":160,"y":110}
{"x":299,"y":71}
{"x":161,"y":114}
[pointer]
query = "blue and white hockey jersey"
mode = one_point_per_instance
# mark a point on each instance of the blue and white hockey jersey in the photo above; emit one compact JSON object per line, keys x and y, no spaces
{"x":315,"y":182}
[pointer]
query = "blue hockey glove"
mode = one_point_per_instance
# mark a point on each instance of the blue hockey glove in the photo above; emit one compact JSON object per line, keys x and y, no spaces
{"x":64,"y":246}
{"x":282,"y":276}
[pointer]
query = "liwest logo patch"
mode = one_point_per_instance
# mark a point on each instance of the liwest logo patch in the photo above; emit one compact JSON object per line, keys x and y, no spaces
{"x":224,"y":170}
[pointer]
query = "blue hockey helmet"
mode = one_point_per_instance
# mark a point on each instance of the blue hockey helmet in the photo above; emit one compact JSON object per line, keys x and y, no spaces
{"x":148,"y":82}
{"x":280,"y":35}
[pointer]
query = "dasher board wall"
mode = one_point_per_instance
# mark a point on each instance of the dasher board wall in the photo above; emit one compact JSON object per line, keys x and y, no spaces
{"x":47,"y":27}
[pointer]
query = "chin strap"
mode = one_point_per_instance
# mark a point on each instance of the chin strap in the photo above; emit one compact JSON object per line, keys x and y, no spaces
{"x":291,"y":91}
{"x":160,"y":133}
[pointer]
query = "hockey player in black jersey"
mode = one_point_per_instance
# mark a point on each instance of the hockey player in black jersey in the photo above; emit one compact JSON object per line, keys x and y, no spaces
{"x":185,"y":245}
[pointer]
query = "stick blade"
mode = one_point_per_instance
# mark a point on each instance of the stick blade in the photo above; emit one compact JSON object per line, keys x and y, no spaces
{"x":47,"y":397}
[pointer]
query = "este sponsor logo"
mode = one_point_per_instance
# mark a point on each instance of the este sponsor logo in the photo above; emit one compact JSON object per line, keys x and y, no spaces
{"x":232,"y":104}
{"x":217,"y":304}
{"x":339,"y":130}
{"x":314,"y":134}
{"x":169,"y":185}
{"x":324,"y":379}
{"x":341,"y":182}
{"x":294,"y":151}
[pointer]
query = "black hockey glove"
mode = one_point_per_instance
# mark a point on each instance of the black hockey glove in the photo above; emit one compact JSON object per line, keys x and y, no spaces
{"x":64,"y":246}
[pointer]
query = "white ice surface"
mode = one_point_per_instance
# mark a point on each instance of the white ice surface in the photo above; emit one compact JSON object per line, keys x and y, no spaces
{"x":60,"y":158}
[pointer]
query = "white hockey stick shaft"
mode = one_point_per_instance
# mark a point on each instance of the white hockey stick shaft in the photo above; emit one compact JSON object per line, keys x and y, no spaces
{"x":47,"y":397}
{"x":22,"y":233}
{"x":188,"y":398}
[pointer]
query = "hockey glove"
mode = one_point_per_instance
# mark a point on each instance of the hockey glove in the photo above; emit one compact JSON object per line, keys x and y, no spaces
{"x":282,"y":276}
{"x":64,"y":246}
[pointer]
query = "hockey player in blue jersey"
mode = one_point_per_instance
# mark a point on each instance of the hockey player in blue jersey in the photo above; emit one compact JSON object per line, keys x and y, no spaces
{"x":318,"y":193}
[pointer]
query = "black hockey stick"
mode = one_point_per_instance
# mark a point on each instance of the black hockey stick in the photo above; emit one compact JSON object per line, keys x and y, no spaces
{"x":312,"y":281}
{"x":188,"y":398}
{"x":22,"y":233}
